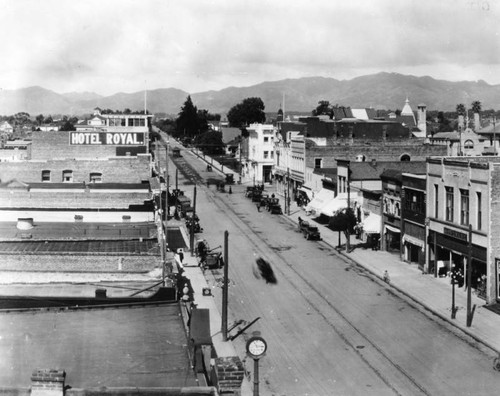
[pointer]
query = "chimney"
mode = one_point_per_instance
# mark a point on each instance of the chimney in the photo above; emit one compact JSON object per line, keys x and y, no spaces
{"x":47,"y":382}
{"x":422,"y":118}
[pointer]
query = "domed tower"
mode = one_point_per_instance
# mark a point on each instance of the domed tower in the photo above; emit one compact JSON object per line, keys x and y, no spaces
{"x":280,"y":115}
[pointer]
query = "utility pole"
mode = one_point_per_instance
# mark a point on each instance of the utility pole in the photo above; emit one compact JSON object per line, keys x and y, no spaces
{"x":225,"y":286}
{"x":191,"y":230}
{"x":348,"y":232}
{"x":470,"y":311}
{"x":287,"y":191}
{"x":241,"y":165}
{"x":494,"y":136}
{"x":165,"y":177}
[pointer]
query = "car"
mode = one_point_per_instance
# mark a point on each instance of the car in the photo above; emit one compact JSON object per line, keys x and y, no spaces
{"x":257,"y":194}
{"x":272,"y":202}
{"x":275,"y":209}
{"x":311,"y":233}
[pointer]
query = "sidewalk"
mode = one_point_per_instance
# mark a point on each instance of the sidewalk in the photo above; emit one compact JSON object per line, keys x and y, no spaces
{"x":433,"y":294}
{"x":223,"y":348}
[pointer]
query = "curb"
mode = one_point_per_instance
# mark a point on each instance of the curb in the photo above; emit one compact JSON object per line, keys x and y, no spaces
{"x":426,"y":307}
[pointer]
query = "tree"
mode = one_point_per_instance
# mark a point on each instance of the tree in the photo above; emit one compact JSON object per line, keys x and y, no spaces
{"x":250,"y":110}
{"x":444,"y":123}
{"x":39,"y":118}
{"x":67,"y":126}
{"x":343,"y":221}
{"x":460,"y":109}
{"x":187,"y":122}
{"x":323,"y":108}
{"x":210,"y":143}
{"x":476,"y":106}
{"x":48,"y":120}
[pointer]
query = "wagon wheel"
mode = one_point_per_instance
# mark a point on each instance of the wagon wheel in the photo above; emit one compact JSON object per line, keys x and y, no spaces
{"x":496,"y":364}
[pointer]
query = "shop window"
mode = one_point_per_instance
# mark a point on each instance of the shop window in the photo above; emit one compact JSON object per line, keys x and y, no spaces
{"x":45,"y":176}
{"x":67,"y":176}
{"x":464,"y":207}
{"x":96,"y":177}
{"x":449,"y":204}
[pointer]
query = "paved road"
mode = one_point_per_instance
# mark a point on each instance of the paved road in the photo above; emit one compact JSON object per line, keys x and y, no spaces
{"x":331,"y":328}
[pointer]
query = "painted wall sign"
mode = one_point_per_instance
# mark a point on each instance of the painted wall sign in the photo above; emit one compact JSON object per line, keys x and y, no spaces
{"x":107,"y":138}
{"x":455,"y":234}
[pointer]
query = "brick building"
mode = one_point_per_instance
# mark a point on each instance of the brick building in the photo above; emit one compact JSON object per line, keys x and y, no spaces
{"x":463,"y":211}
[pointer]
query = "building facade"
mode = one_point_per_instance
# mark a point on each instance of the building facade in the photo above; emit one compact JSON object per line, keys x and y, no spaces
{"x":260,"y":154}
{"x":463,"y":204}
{"x":413,"y":214}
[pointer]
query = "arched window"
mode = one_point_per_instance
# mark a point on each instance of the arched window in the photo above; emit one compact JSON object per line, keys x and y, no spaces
{"x":360,"y":158}
{"x":404,"y":157}
{"x":468,"y":144}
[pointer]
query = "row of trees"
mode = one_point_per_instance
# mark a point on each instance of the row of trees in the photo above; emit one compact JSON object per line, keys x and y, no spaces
{"x":193,"y":125}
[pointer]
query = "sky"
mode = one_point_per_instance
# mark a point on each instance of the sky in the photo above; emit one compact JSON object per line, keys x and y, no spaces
{"x":110,"y":46}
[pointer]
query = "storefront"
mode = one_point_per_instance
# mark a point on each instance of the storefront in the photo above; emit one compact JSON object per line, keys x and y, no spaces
{"x":392,"y":239}
{"x":450,"y":251}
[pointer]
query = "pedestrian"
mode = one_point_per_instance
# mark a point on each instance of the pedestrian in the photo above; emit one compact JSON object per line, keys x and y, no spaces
{"x":208,"y":184}
{"x":258,"y":206}
{"x":230,"y":190}
{"x":180,"y":252}
{"x":387,"y":279}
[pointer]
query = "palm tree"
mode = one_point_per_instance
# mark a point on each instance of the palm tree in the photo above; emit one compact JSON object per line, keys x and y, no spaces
{"x":460,"y":109}
{"x":476,"y":106}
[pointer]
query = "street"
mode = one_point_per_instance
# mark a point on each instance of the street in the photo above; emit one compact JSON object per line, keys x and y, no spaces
{"x":331,"y":328}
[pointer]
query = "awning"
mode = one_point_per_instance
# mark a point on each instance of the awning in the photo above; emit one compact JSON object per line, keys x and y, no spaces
{"x":413,"y":241}
{"x":336,"y":204}
{"x":392,"y":229}
{"x":372,"y":223}
{"x":308,"y":192}
{"x":320,"y":199}
{"x":200,"y":327}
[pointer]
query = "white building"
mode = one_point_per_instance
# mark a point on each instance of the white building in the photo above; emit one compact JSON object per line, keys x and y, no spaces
{"x":260,"y":153}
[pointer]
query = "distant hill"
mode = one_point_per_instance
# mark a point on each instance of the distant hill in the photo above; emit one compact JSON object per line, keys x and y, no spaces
{"x":380,"y":91}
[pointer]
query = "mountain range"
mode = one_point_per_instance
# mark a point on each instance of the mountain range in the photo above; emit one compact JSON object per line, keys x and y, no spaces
{"x":379,"y":91}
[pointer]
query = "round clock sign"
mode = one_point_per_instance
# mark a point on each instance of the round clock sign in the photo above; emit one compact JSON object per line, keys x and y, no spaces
{"x":256,"y":347}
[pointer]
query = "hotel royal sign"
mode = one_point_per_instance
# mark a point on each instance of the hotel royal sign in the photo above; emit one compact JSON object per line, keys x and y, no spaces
{"x":107,"y":138}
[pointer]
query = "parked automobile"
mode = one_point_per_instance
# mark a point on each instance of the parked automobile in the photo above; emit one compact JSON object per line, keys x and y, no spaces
{"x":256,"y":196}
{"x":275,"y":208}
{"x":272,"y":202}
{"x":311,"y":233}
{"x":263,"y":199}
{"x":229,"y":178}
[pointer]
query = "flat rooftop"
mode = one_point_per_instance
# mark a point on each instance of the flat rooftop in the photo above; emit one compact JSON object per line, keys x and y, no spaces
{"x":120,"y":346}
{"x":76,"y":230}
{"x":88,"y":247}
